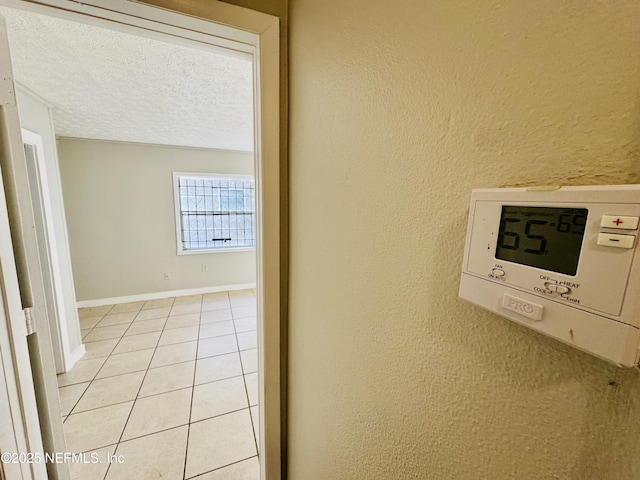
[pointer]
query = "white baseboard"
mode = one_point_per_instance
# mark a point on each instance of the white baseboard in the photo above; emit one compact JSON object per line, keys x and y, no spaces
{"x":98,"y":302}
{"x":74,"y":356}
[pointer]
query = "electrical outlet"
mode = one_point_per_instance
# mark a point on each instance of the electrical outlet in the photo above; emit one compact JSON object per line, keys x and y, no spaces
{"x":166,"y":276}
{"x":205,"y":267}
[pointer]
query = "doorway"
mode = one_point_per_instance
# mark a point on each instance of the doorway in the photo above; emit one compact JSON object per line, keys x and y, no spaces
{"x":266,"y":167}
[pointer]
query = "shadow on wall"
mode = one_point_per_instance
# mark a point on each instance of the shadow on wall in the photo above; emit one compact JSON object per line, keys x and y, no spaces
{"x":613,"y":427}
{"x":626,"y":173}
{"x":525,"y":402}
{"x":622,"y":442}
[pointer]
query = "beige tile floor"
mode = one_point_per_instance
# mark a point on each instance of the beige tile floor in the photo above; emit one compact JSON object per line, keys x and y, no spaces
{"x":168,"y":388}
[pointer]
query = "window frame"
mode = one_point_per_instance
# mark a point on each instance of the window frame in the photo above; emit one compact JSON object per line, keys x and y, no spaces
{"x":178,"y":214}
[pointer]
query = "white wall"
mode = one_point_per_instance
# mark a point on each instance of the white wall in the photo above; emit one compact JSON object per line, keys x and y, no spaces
{"x":120,"y":210}
{"x":397,"y":111}
{"x":35,"y":115}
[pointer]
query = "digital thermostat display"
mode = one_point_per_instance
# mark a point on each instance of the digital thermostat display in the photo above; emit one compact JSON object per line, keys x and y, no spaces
{"x":563,"y":261}
{"x":542,"y":237}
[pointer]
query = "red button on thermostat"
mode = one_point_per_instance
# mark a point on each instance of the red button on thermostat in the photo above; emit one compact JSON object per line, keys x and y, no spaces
{"x":619,"y":222}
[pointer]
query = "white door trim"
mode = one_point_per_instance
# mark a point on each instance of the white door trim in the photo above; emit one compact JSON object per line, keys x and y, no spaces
{"x":19,"y":426}
{"x":215,"y":24}
{"x":58,"y":328}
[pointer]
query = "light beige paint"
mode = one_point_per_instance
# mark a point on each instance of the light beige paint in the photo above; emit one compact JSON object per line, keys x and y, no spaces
{"x":121,"y":217}
{"x":397,"y":111}
{"x":35,"y":115}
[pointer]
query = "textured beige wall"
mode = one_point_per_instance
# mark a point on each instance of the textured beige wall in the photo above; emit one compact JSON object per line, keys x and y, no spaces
{"x":121,"y":218}
{"x":398,"y":110}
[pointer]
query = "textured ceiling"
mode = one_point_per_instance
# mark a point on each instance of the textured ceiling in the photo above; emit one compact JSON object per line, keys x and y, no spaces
{"x":109,"y":85}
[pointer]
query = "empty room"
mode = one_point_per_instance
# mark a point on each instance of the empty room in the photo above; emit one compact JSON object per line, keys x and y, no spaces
{"x":143,"y":160}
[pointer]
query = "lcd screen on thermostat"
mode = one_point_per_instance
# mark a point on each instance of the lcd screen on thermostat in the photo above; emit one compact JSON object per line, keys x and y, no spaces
{"x":542,"y":237}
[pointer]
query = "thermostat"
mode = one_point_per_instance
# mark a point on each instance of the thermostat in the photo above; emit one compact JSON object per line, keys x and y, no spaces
{"x":560,"y":261}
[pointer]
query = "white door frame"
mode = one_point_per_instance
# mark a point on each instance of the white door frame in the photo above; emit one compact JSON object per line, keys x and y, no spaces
{"x":52,"y":281}
{"x":220,"y":25}
{"x":20,"y":431}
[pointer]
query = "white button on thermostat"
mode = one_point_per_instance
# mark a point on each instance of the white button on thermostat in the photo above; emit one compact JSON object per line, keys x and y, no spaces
{"x":497,"y":272}
{"x":616,"y":240}
{"x":616,"y":221}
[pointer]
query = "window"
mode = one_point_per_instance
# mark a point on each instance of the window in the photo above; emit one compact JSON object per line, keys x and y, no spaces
{"x":214,"y":212}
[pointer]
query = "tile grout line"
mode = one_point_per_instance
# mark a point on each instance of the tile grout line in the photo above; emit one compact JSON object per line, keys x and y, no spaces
{"x":104,"y":314}
{"x":222,"y":414}
{"x":77,"y":401}
{"x":139,"y":388}
{"x":163,"y":392}
{"x":96,"y":374}
{"x":244,"y":381}
{"x":154,"y":368}
{"x":224,"y":466}
{"x":95,"y":378}
{"x":193,"y":391}
{"x":146,"y":371}
{"x":102,"y":317}
{"x":101,"y":366}
{"x":225,"y":413}
{"x":107,"y":357}
{"x":88,"y":386}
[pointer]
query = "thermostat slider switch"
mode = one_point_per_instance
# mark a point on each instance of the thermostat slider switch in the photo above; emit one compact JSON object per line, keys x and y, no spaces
{"x":554,"y":287}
